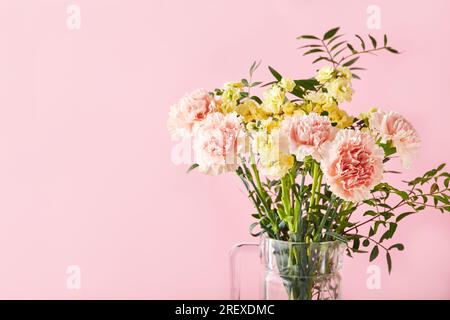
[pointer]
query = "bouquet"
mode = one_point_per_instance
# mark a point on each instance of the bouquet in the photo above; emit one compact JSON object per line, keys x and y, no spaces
{"x":306,"y":163}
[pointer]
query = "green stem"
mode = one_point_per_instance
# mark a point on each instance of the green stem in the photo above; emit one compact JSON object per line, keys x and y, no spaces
{"x":258,"y":179}
{"x":330,"y":209}
{"x":285,"y":198}
{"x":314,"y":186}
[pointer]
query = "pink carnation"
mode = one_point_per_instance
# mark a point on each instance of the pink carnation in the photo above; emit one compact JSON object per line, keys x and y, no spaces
{"x":306,"y":135}
{"x":192,"y":108}
{"x":352,"y":165}
{"x":218,"y":140}
{"x":393,"y":126}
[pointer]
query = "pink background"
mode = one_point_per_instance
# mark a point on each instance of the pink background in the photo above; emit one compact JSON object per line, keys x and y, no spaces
{"x":86,"y":176}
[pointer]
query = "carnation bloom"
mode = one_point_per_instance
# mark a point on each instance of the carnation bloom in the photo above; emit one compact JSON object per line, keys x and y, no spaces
{"x":218,"y":141}
{"x":393,"y":126}
{"x":352,"y":164}
{"x":192,"y":108}
{"x":306,"y":134}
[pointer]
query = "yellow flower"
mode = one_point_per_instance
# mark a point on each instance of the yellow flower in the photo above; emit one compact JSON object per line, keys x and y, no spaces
{"x":287,"y":84}
{"x":366,"y":115}
{"x":273,"y":99}
{"x":325,"y":74}
{"x":279,"y":168}
{"x":270,"y":124}
{"x":344,"y":72}
{"x":289,"y":107}
{"x":341,"y":117}
{"x":340,"y":89}
{"x":229,"y":98}
{"x":233,"y":85}
{"x":299,"y":112}
{"x":323,"y":99}
{"x":275,"y":163}
{"x":250,"y":110}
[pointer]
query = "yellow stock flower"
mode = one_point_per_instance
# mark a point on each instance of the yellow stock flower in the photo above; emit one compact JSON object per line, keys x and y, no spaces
{"x":344,"y":72}
{"x":270,"y":124}
{"x":287,"y":84}
{"x":289,"y":107}
{"x":341,"y":117}
{"x":250,"y":110}
{"x":230,"y":95}
{"x":275,"y":163}
{"x":340,"y":89}
{"x":273,"y":99}
{"x":366,"y":115}
{"x":325,"y":74}
{"x":326,"y":101}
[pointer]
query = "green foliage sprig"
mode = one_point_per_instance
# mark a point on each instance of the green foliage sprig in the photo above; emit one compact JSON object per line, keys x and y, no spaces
{"x":332,"y":47}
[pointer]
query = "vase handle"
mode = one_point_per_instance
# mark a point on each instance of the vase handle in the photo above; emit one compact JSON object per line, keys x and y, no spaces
{"x":235,"y":281}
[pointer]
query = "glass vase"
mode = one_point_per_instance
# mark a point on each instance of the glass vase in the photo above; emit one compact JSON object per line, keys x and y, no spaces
{"x":293,"y":270}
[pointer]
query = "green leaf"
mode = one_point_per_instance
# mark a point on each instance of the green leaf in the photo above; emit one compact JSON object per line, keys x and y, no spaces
{"x":310,"y":46}
{"x":366,"y":243}
{"x":308,"y":84}
{"x":355,"y":244}
{"x":350,"y":62}
{"x":192,"y":167}
{"x":336,"y":236}
{"x":398,"y":246}
{"x":392,"y":50}
{"x":275,"y":73}
{"x":313,"y":51}
{"x":374,"y":253}
{"x":253,"y":226}
{"x":389,"y":261}
{"x":403,"y":215}
{"x":308,"y":36}
{"x":330,"y":33}
{"x":257,"y":99}
{"x":374,"y":42}
{"x":370,"y":213}
{"x":389,"y":148}
{"x":385,"y":40}
{"x":351,"y":48}
{"x":268,"y":84}
{"x":319,"y":59}
{"x":363,"y":45}
{"x":434,"y":187}
{"x":255,"y":65}
{"x":390,"y":232}
{"x":337,"y":45}
{"x":340,"y":51}
{"x":334,"y":38}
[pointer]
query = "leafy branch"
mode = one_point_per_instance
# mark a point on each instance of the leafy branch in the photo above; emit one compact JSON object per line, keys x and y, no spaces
{"x":385,"y":215}
{"x":332,"y":48}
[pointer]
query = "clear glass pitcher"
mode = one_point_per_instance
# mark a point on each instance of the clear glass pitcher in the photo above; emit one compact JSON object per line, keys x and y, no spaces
{"x":293,"y":270}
